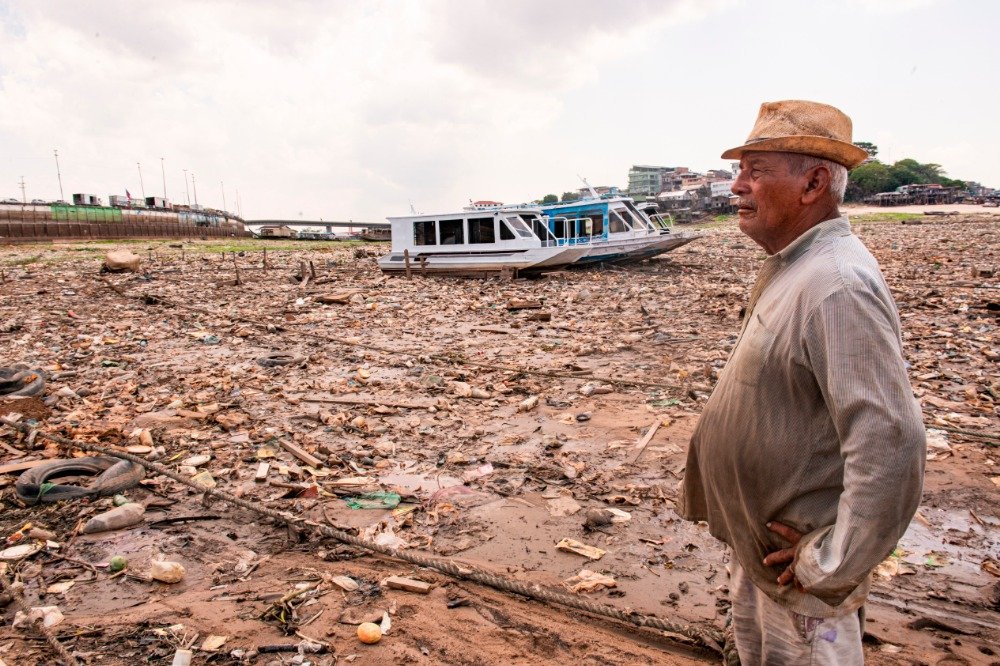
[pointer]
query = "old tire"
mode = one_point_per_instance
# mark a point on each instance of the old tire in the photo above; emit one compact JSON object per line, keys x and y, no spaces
{"x":20,"y":380}
{"x":111,"y":476}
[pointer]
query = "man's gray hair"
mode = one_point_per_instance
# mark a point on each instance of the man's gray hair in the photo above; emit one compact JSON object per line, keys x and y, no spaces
{"x":799,"y":164}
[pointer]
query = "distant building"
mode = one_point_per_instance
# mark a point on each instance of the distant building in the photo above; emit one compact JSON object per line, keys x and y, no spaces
{"x":647,"y":180}
{"x":157,"y":202}
{"x":86,"y":200}
{"x":721,"y":188}
{"x":277,"y":231}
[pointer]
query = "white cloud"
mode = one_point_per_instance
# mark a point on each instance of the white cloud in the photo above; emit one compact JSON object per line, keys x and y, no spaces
{"x":336,"y":109}
{"x":890,"y":6}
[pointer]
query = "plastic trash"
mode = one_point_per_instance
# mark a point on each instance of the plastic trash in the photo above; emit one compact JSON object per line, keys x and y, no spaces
{"x":376,"y":500}
{"x":115,"y":519}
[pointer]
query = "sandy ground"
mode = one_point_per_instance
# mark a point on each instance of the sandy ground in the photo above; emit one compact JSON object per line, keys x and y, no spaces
{"x":962,"y":209}
{"x":174,"y":350}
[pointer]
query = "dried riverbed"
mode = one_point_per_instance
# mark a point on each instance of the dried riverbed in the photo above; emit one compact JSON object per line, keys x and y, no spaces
{"x":427,"y":388}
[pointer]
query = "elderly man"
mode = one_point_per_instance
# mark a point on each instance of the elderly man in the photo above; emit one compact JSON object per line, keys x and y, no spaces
{"x":808,"y":458}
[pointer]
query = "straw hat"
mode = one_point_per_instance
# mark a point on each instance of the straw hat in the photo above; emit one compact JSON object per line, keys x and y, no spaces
{"x":808,"y":128}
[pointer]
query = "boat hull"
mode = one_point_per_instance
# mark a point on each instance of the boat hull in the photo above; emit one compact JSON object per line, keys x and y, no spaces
{"x":631,"y":248}
{"x":533,"y":259}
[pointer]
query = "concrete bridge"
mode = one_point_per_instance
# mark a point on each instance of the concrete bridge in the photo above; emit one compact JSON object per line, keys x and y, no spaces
{"x":329,"y":224}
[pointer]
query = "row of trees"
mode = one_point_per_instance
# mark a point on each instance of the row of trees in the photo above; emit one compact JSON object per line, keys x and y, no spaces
{"x":870,"y":178}
{"x":873,"y":176}
{"x":552,"y":198}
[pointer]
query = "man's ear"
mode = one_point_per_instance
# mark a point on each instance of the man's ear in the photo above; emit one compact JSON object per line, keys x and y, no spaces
{"x":817,"y":184}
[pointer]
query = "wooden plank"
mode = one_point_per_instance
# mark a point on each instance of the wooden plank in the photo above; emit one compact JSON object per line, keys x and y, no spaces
{"x":301,"y":454}
{"x":522,"y":304}
{"x":408,"y":584}
{"x":20,"y":466}
{"x":644,"y":442}
{"x":262,"y":470}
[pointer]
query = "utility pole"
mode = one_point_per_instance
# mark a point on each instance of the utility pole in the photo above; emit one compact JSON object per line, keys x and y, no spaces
{"x":62,"y":197}
{"x":194,"y":186}
{"x":141,"y":186}
{"x":223,"y":186}
{"x":164,"y":174}
{"x":24,"y":197}
{"x":187,"y":193}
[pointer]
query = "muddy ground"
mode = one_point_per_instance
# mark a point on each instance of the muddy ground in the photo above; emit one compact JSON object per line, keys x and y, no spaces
{"x":426,"y":388}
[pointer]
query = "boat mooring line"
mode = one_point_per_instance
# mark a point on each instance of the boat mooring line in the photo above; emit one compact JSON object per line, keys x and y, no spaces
{"x":703,"y":636}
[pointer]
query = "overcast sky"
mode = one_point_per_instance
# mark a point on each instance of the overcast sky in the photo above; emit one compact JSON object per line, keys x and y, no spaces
{"x":352,"y":110}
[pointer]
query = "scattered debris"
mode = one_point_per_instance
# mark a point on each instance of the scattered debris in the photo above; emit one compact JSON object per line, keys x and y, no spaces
{"x":369,"y":633}
{"x":408,"y":584}
{"x":120,"y":261}
{"x":574,"y":546}
{"x":588,"y":581}
{"x":115,"y":519}
{"x":166,"y":571}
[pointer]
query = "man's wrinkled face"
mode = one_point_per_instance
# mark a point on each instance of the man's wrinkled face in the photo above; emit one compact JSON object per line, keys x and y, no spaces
{"x":770,"y":196}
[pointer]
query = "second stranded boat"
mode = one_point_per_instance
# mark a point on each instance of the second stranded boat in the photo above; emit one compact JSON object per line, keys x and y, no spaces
{"x":477,"y":241}
{"x":612,"y":229}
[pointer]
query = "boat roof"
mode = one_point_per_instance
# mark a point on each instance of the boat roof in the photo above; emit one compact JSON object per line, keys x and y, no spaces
{"x":466,"y":213}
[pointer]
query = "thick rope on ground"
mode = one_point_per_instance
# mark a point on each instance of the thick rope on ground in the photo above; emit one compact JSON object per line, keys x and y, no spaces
{"x":709,"y":637}
{"x":17,"y":597}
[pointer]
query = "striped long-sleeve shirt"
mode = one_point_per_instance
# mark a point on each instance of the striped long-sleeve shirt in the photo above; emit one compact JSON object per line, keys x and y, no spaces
{"x":813,"y":424}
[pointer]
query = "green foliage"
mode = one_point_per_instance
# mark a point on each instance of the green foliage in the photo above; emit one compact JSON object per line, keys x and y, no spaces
{"x":550,"y":199}
{"x":868,"y":147}
{"x":570,"y":196}
{"x":873,"y":177}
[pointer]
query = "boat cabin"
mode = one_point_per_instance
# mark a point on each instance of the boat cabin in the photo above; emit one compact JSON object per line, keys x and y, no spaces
{"x":582,"y":222}
{"x":471,"y":231}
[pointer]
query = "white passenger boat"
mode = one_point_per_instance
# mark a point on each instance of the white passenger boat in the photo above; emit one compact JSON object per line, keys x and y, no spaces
{"x":612,"y":229}
{"x":491,"y":240}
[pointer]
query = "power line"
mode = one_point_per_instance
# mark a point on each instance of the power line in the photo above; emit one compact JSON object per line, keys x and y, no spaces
{"x":62,"y":197}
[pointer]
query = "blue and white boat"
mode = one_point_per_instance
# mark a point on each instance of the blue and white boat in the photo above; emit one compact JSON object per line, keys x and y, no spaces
{"x":612,"y":228}
{"x":480,"y":240}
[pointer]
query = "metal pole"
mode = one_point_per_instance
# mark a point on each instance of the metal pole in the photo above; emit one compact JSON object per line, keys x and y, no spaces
{"x":141,"y":186}
{"x":194,"y":186}
{"x":187,"y":194}
{"x":62,"y":197}
{"x":223,"y":186}
{"x":164,"y":174}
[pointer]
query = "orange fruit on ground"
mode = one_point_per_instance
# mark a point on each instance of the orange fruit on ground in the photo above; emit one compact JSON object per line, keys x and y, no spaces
{"x":369,"y":632}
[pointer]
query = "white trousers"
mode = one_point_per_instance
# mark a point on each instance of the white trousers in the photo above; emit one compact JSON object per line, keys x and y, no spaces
{"x":769,"y":634}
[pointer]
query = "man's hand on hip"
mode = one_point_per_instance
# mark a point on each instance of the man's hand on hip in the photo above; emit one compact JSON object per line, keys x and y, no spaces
{"x":786,"y":555}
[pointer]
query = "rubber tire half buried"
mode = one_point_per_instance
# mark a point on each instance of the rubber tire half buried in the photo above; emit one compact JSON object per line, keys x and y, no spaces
{"x":111,"y":476}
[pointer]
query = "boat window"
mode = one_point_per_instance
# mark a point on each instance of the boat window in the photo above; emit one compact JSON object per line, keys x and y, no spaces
{"x":598,"y":224}
{"x":519,"y":226}
{"x":559,"y":227}
{"x":425,"y":232}
{"x":627,"y":216}
{"x":481,"y":230}
{"x":615,"y":223}
{"x":541,"y":230}
{"x":452,"y":232}
{"x":584,"y":226}
{"x":640,"y":217}
{"x":505,"y":232}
